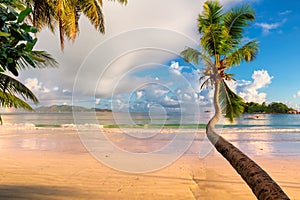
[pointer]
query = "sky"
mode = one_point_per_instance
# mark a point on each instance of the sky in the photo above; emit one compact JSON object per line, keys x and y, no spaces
{"x":136,"y":64}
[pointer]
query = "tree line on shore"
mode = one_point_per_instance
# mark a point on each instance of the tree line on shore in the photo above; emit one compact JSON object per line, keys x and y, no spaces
{"x":274,"y":107}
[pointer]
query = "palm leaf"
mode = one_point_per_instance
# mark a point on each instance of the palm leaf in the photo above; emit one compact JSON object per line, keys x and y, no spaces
{"x":207,"y":82}
{"x":191,"y":55}
{"x":70,"y":22}
{"x":43,"y":14}
{"x":236,"y":19}
{"x":92,"y":9}
{"x":231,"y":103}
{"x":13,"y":87}
{"x":215,"y":39}
{"x":36,"y":59}
{"x":194,"y":56}
{"x":121,"y":1}
{"x":9,"y":100}
{"x":211,"y":14}
{"x":246,"y":53}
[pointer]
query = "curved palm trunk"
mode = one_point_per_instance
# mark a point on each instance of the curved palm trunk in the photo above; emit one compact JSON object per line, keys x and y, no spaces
{"x":262,"y":185}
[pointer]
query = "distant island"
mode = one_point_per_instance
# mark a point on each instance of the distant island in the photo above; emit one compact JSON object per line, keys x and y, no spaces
{"x":68,"y":108}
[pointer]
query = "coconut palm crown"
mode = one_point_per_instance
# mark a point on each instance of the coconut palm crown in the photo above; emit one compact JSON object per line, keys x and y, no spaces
{"x":223,"y":47}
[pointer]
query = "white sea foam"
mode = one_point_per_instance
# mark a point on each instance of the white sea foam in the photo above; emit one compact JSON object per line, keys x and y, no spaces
{"x":72,"y":126}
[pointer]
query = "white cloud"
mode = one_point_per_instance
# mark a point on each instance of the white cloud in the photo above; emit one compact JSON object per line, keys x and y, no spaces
{"x":35,"y":86}
{"x":139,"y":94}
{"x":161,"y":92}
{"x":170,"y":102}
{"x":286,"y":12}
{"x":250,"y":90}
{"x":47,"y":95}
{"x":55,"y":88}
{"x":187,"y":97}
{"x":175,"y":68}
{"x":268,"y":27}
{"x":296,"y":95}
{"x":261,"y":79}
{"x":98,"y":100}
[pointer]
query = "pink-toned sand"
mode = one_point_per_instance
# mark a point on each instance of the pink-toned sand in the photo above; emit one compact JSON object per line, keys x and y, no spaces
{"x":57,"y":166}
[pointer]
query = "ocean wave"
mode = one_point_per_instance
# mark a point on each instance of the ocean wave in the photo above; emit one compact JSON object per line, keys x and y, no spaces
{"x":31,"y":126}
{"x":261,"y":130}
{"x":223,"y":130}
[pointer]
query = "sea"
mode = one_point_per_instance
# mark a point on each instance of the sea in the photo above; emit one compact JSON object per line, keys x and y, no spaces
{"x":261,"y":134}
{"x":279,"y":122}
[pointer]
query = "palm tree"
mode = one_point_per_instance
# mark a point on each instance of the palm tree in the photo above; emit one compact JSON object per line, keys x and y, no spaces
{"x":221,"y":48}
{"x":66,"y":14}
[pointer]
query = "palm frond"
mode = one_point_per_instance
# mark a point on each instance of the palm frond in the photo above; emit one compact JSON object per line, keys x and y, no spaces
{"x":9,"y":85}
{"x":37,"y":59}
{"x":211,"y":38}
{"x":216,"y":40}
{"x":231,"y":103}
{"x":43,"y":14}
{"x":207,"y":82}
{"x":92,"y":9}
{"x":69,"y":19}
{"x":124,"y":2}
{"x":195,"y":56}
{"x":246,"y":53}
{"x":211,"y":14}
{"x":236,"y":19}
{"x":10,"y":101}
{"x":191,"y":55}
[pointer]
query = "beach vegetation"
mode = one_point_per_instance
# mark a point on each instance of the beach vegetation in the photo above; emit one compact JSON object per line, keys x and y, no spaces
{"x":16,"y":53}
{"x":272,"y":108}
{"x":222,"y":46}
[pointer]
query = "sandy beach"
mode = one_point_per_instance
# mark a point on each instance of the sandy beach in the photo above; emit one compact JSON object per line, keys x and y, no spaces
{"x":44,"y":164}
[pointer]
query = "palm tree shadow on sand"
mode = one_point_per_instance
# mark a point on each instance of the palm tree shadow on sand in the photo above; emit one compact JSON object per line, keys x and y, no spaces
{"x":37,"y":192}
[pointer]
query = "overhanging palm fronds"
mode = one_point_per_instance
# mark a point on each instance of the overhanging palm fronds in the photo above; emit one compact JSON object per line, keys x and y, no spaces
{"x":92,"y":9}
{"x":65,"y":15}
{"x":68,"y":19}
{"x":36,"y":59}
{"x":12,"y":101}
{"x":124,"y":2}
{"x":43,"y":14}
{"x":9,"y":85}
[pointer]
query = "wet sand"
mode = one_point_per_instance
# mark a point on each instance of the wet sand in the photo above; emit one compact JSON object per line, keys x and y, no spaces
{"x":47,"y":164}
